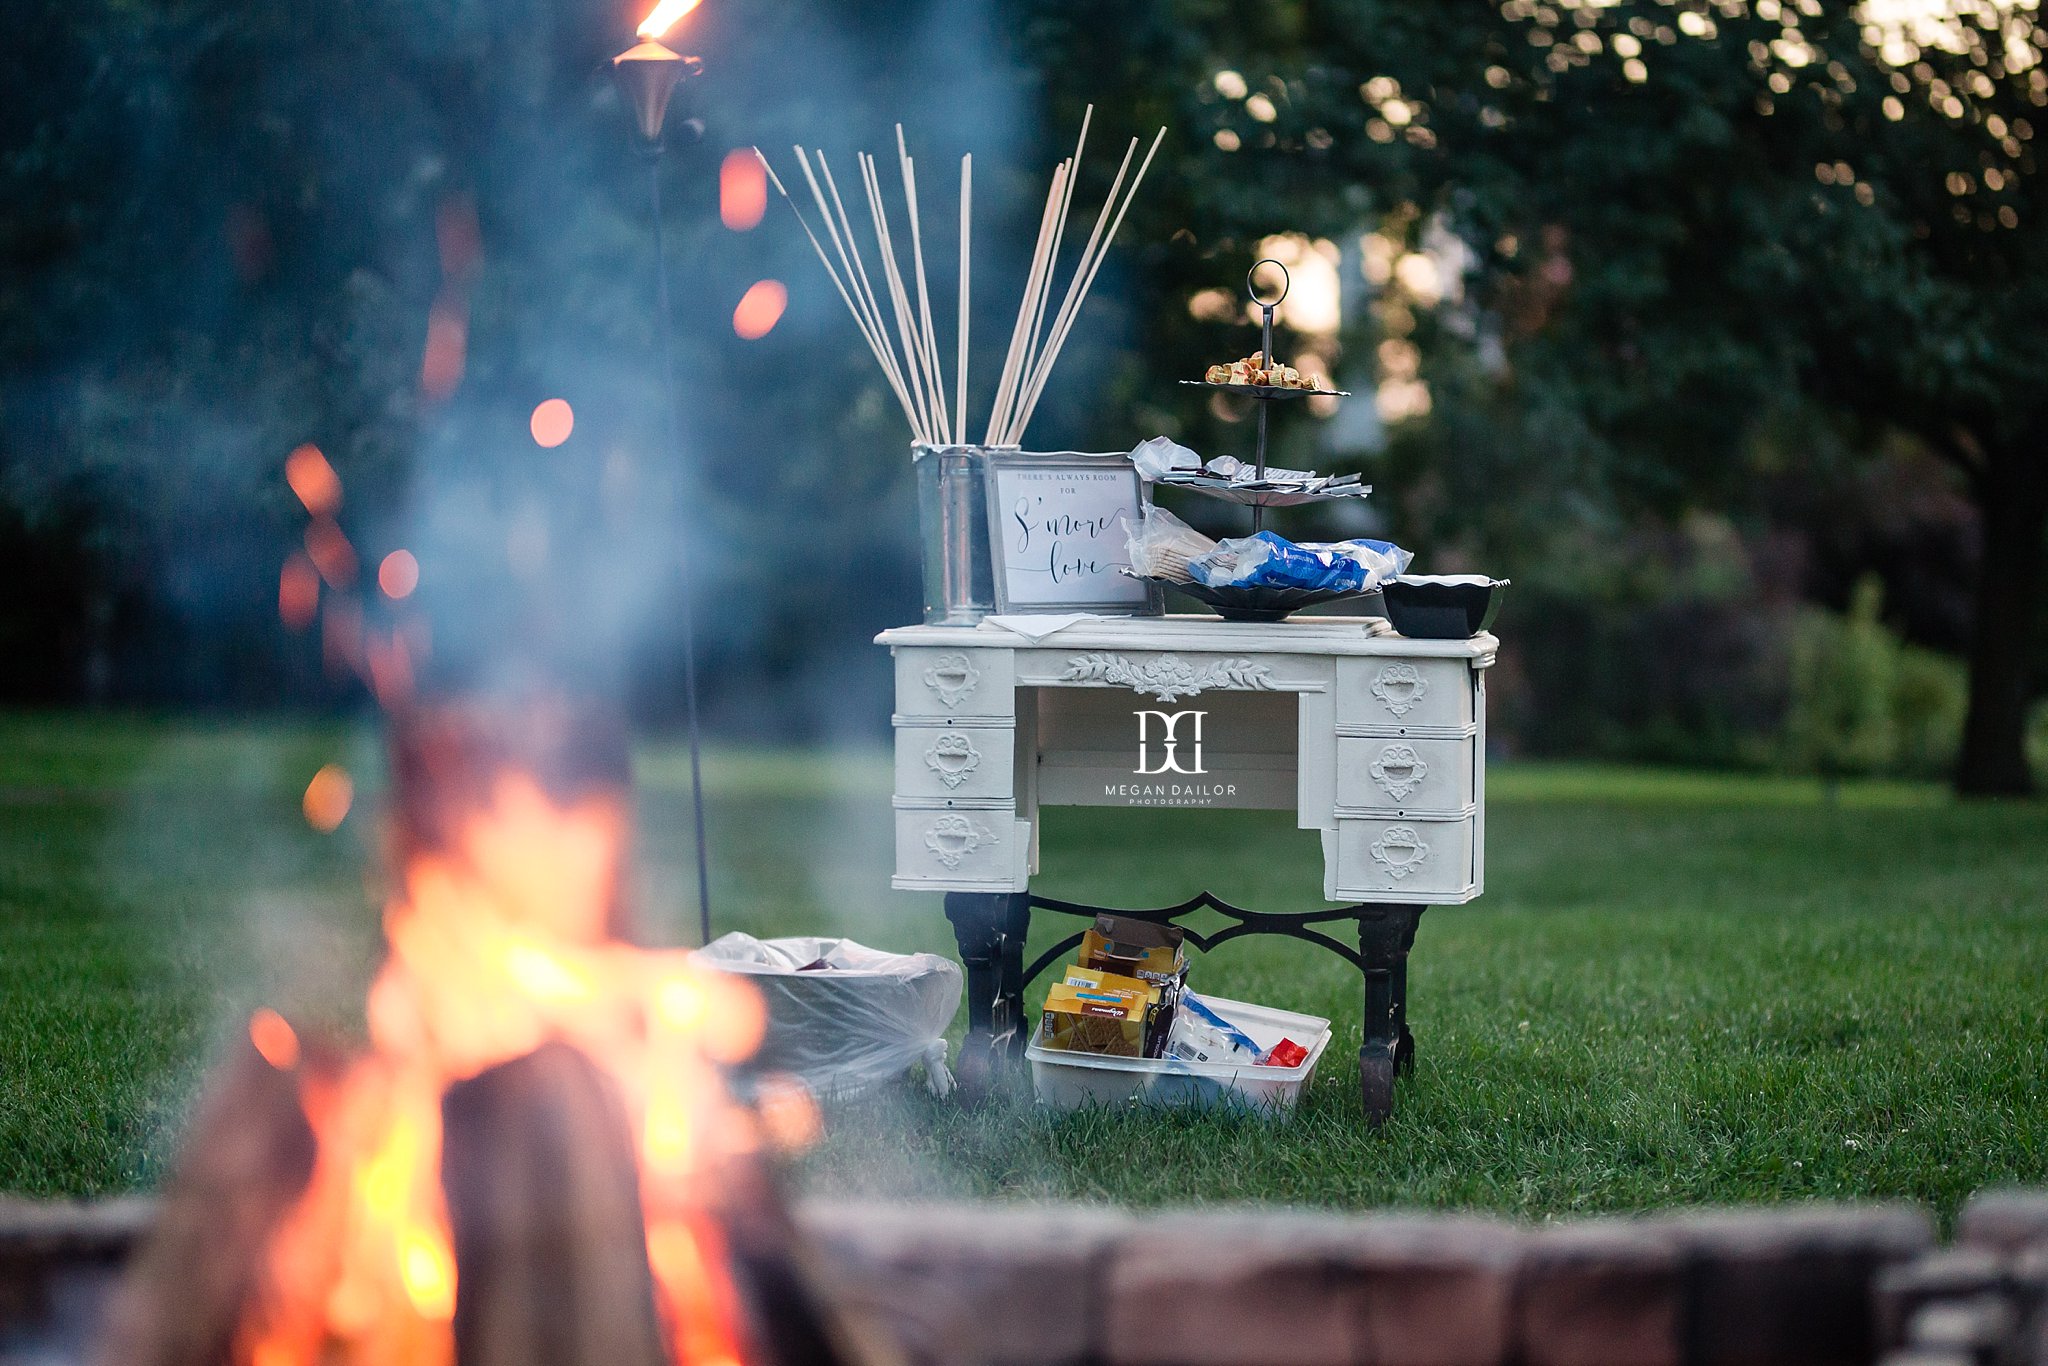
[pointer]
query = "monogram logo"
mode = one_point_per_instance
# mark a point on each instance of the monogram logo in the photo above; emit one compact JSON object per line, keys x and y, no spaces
{"x":1169,"y":740}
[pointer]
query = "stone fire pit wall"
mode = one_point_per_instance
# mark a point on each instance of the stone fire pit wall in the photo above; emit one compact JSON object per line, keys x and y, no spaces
{"x":1802,"y":1286}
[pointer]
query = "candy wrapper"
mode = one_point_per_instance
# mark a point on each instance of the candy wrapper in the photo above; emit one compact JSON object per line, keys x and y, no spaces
{"x":1286,"y":1053}
{"x":1266,"y":560}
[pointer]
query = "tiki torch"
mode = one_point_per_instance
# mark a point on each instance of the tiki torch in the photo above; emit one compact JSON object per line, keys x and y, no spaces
{"x":648,"y":74}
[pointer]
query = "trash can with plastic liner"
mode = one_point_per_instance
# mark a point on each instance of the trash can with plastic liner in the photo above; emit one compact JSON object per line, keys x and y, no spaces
{"x":842,"y":1016}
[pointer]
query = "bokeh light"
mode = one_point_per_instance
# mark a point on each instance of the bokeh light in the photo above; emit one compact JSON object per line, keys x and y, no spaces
{"x":447,"y":348}
{"x":298,"y":591}
{"x":328,"y":548}
{"x":399,"y":574}
{"x":552,"y":422}
{"x":274,"y":1038}
{"x":328,"y":798}
{"x":742,"y":189}
{"x":313,"y":480}
{"x":760,"y":309}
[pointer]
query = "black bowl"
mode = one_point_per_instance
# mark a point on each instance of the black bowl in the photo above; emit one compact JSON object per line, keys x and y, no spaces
{"x":1254,"y":604}
{"x":1442,"y":607}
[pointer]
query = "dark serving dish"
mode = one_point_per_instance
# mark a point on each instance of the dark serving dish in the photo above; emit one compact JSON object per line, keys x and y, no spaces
{"x":1442,"y":606}
{"x":1254,"y":604}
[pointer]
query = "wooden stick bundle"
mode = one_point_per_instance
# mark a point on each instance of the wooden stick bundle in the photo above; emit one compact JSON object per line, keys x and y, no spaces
{"x":902,"y":333}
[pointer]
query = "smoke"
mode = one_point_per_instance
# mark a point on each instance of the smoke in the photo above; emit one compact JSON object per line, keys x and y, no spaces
{"x":392,"y":229}
{"x":263,"y":256}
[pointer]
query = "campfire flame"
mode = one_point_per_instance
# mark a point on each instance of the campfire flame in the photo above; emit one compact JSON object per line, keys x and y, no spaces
{"x":663,"y":17}
{"x":498,"y":945}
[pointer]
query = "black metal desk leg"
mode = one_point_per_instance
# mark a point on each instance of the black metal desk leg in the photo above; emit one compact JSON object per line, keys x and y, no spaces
{"x":1385,"y":934}
{"x":990,"y":928}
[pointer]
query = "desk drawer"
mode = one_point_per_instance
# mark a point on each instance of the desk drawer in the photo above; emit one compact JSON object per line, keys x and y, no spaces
{"x":1406,"y":696}
{"x":944,"y":683}
{"x":1395,"y":774}
{"x":955,"y":763}
{"x":963,"y":848}
{"x":1405,"y":858}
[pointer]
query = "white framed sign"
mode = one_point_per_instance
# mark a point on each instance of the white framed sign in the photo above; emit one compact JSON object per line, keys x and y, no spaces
{"x":1059,"y":531}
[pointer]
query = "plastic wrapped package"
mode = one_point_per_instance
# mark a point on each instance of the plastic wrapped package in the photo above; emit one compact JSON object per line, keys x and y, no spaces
{"x":1266,"y":560}
{"x":1163,"y":545}
{"x":1201,"y":1034}
{"x":842,"y":1016}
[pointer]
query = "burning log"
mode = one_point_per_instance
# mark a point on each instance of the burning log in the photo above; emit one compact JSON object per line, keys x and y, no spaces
{"x":537,"y":1161}
{"x":544,"y":1203}
{"x":248,"y":1157}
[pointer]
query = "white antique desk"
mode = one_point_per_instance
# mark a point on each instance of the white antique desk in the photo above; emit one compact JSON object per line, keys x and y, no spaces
{"x":1375,"y":741}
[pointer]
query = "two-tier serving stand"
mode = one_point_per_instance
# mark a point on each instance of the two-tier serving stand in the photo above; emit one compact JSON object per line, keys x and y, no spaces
{"x":1258,"y":496}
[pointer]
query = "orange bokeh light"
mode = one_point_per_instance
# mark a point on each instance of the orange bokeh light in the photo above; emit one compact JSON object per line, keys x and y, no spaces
{"x":447,"y":349}
{"x":663,"y":17}
{"x":760,"y":309}
{"x":399,"y":574}
{"x":313,"y":479}
{"x":328,"y":798}
{"x":331,"y":553}
{"x":552,"y":422}
{"x":298,"y":591}
{"x":274,"y":1039}
{"x":742,"y":189}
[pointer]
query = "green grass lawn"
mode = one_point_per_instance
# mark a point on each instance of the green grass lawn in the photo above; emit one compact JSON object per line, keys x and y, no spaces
{"x":1678,"y":989}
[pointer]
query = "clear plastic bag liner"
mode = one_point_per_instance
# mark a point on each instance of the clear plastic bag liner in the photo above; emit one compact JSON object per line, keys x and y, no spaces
{"x":860,"y":1020}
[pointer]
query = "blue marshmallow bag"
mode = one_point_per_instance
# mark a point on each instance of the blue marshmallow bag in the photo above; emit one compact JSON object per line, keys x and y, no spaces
{"x":1269,"y":561}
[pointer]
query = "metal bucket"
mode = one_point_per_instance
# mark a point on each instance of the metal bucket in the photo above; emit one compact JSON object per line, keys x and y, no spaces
{"x":952,"y":523}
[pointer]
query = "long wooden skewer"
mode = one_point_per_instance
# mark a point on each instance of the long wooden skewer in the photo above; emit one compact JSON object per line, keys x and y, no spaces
{"x":999,"y":416}
{"x":849,"y":253}
{"x":915,"y":374}
{"x":908,"y":359}
{"x":1060,"y":338}
{"x":1059,"y":232}
{"x":1072,"y":300}
{"x":1088,"y":281}
{"x":873,"y":343}
{"x":965,"y":293}
{"x":1006,"y":391}
{"x":927,"y":335}
{"x":899,"y":299}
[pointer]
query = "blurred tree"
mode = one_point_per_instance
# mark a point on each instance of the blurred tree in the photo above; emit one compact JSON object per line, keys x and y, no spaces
{"x":390,"y":228}
{"x":1845,"y":672}
{"x":1683,"y":225}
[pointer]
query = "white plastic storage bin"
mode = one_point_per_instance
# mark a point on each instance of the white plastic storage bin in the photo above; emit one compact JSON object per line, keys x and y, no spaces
{"x":1069,"y":1081}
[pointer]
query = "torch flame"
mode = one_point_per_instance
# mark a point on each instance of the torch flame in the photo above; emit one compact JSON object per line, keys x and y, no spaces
{"x":663,"y":17}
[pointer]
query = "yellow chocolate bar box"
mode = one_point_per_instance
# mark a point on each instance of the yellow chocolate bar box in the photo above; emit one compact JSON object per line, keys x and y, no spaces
{"x":1098,"y":980}
{"x":1085,"y":1019}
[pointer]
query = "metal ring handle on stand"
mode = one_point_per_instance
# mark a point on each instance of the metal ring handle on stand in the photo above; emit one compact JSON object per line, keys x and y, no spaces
{"x":1251,"y":286}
